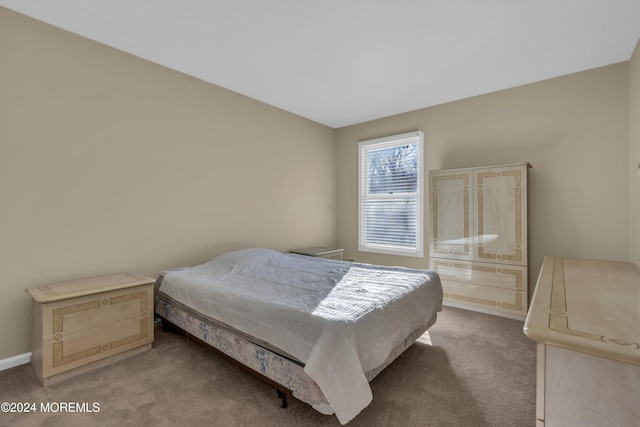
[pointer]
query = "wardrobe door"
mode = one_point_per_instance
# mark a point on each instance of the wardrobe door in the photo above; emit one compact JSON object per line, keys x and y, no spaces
{"x":451,"y":203}
{"x":500,"y":220}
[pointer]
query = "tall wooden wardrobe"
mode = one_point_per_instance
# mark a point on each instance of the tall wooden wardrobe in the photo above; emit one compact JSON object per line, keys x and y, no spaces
{"x":478,"y":240}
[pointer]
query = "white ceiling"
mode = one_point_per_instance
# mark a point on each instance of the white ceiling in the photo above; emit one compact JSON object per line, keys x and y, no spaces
{"x":341,"y":62}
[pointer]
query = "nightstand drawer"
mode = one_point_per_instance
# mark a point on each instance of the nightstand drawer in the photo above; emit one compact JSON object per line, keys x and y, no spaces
{"x":94,"y":323}
{"x":83,"y":330}
{"x":80,"y":314}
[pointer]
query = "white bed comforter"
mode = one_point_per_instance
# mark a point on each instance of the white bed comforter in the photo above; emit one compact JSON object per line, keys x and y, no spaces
{"x":341,"y":319}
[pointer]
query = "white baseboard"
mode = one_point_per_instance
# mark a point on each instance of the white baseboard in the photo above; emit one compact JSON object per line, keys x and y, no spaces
{"x":483,"y":310}
{"x":10,"y":362}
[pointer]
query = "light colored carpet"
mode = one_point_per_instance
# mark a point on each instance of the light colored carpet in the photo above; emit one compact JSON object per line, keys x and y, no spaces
{"x":478,"y":370}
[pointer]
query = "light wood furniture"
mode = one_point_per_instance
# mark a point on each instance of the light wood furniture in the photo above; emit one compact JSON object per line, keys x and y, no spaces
{"x":478,"y":240}
{"x":320,"y":252}
{"x":585,"y":318}
{"x":83,"y":324}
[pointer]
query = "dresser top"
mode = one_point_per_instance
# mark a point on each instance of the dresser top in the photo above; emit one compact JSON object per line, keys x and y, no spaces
{"x":588,"y":306}
{"x":81,"y":287}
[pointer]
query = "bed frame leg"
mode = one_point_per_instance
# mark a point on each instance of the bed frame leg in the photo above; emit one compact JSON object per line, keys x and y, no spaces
{"x":165,"y":326}
{"x":282,"y":396}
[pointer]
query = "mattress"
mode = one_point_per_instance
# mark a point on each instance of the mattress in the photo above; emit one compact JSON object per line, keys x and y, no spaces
{"x":266,"y":361}
{"x":339,"y":319}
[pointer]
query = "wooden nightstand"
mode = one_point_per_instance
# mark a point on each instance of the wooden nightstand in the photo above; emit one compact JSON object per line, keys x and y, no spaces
{"x":83,"y":324}
{"x":320,"y":252}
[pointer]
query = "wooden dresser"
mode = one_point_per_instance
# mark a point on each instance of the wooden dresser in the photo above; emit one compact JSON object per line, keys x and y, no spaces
{"x":83,"y":324}
{"x":478,"y":236}
{"x":585,"y":318}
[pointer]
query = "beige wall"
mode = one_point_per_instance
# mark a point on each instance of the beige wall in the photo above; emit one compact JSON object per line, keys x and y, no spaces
{"x":110,"y":163}
{"x":634,"y":155}
{"x":572,"y":129}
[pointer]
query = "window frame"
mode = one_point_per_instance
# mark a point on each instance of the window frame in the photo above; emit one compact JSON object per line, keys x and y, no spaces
{"x":364,"y":147}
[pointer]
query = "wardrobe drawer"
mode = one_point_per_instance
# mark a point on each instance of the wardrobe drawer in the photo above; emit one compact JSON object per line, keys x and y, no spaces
{"x":486,"y":297}
{"x":496,"y":275}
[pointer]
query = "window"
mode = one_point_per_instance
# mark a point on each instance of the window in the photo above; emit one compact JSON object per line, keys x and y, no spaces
{"x":390,"y":186}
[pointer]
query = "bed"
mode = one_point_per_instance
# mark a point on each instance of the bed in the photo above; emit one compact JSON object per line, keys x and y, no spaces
{"x":317,"y":329}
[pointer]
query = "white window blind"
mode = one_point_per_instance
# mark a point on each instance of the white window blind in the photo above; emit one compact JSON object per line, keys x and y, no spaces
{"x":390,"y":203}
